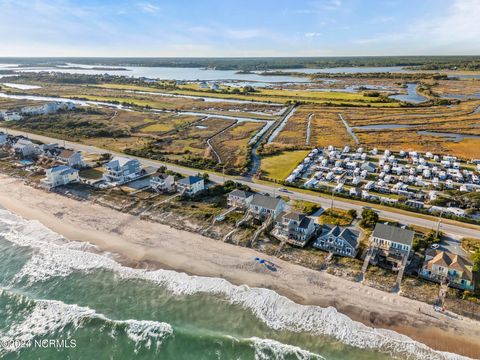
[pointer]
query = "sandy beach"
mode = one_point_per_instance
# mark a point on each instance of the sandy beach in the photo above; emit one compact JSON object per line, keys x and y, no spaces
{"x":141,"y":243}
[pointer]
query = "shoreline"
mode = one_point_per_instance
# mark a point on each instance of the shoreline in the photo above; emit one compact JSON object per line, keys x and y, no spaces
{"x":141,"y":244}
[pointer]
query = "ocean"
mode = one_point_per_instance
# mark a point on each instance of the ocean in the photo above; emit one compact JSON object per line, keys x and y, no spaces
{"x":66,"y":300}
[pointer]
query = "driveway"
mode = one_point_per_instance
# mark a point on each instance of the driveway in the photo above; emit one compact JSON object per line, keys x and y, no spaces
{"x":452,"y":245}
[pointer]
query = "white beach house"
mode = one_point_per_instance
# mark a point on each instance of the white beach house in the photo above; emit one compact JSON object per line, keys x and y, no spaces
{"x":120,"y":170}
{"x":163,"y":183}
{"x":60,"y":175}
{"x":191,"y":185}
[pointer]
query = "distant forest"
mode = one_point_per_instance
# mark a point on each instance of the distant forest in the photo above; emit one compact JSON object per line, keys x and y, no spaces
{"x":266,"y":63}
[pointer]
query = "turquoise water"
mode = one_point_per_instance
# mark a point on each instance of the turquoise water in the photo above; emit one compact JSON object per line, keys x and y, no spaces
{"x":84,"y":305}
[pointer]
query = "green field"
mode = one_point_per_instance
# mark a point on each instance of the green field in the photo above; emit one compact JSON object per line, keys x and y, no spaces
{"x":279,"y":166}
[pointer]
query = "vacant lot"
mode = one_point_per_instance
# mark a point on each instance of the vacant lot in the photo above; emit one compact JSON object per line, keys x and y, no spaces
{"x":279,"y":166}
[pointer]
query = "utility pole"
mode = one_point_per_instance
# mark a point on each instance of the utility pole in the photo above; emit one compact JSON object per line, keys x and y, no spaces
{"x":439,"y":221}
{"x":333,"y":192}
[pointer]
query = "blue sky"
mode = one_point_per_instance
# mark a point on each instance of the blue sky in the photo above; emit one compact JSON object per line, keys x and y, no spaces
{"x":239,"y":28}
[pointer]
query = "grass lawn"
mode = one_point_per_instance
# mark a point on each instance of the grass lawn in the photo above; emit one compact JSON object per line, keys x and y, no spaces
{"x":157,"y":128}
{"x":90,"y":173}
{"x":335,"y":217}
{"x":279,"y":166}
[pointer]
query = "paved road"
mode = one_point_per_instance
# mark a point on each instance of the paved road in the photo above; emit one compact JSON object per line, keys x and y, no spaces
{"x":455,"y":230}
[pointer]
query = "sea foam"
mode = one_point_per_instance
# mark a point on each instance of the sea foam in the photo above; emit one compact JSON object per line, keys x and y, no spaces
{"x":266,"y":349}
{"x":55,"y":256}
{"x":50,"y":316}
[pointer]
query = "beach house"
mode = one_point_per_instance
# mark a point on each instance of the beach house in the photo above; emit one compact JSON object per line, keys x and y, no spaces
{"x":25,"y":148}
{"x":191,"y":185}
{"x":60,"y":175}
{"x":163,"y":183}
{"x":391,"y":245}
{"x":239,"y":198}
{"x":70,"y":157}
{"x":294,"y":228}
{"x":263,"y":206}
{"x":120,"y":170}
{"x":45,"y":108}
{"x":442,"y":265}
{"x":338,"y":240}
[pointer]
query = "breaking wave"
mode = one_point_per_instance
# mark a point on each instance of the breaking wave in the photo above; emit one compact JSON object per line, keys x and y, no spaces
{"x":54,"y":256}
{"x":266,"y":349}
{"x":45,"y":317}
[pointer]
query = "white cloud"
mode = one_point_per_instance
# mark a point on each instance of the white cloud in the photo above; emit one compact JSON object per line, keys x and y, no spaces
{"x":319,"y":7}
{"x":312,"y":34}
{"x":456,"y":30}
{"x":148,"y":7}
{"x":460,"y":24}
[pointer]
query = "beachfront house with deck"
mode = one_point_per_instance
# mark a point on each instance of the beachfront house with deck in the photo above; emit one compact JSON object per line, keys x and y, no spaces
{"x":263,"y":206}
{"x":444,"y":266}
{"x":338,"y":240}
{"x":60,"y":175}
{"x":25,"y":148}
{"x":121,"y":170}
{"x":70,"y":157}
{"x":294,"y":228}
{"x":391,"y":245}
{"x":163,"y":183}
{"x":239,"y":198}
{"x":191,"y":185}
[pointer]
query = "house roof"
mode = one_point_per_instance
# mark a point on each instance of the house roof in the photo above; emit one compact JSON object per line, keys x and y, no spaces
{"x":368,"y":164}
{"x":190,"y":180}
{"x":241,"y":194}
{"x":305,"y":223}
{"x":23,"y":142}
{"x":451,"y":261}
{"x":303,"y":220}
{"x":293,"y":215}
{"x":266,"y":202}
{"x":63,"y":170}
{"x":162,"y":176}
{"x":344,"y":233}
{"x":66,"y":153}
{"x":118,"y":161}
{"x":394,"y":234}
